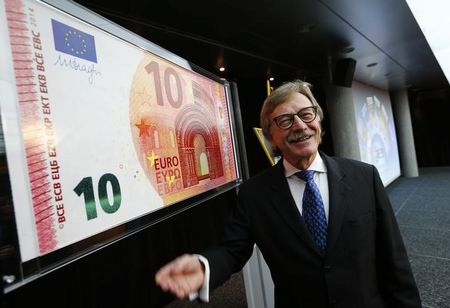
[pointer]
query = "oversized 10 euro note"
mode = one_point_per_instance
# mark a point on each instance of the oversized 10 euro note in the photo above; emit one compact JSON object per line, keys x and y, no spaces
{"x":99,"y":132}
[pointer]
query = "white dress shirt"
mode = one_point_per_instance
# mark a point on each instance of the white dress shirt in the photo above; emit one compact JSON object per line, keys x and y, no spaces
{"x":297,"y":185}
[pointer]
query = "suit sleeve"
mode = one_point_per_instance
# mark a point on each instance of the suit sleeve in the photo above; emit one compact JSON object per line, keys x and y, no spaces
{"x":395,"y":277}
{"x":236,"y":247}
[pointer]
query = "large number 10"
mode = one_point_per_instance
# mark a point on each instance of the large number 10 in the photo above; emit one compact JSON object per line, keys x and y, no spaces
{"x":86,"y":187}
{"x":153,"y":68}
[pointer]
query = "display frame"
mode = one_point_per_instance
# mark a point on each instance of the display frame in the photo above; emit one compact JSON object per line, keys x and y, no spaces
{"x":266,"y":146}
{"x":15,"y":271}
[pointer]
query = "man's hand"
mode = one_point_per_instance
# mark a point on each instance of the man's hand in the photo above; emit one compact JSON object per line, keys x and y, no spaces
{"x":182,"y":276}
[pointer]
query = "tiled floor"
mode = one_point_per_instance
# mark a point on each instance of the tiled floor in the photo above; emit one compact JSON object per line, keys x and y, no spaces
{"x":422,"y":206}
{"x":229,"y":295}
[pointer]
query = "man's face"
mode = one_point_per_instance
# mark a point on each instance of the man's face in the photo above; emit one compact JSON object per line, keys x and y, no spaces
{"x":300,"y":142}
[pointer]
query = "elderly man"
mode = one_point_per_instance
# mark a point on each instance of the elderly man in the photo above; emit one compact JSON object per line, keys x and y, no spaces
{"x":324,"y":225}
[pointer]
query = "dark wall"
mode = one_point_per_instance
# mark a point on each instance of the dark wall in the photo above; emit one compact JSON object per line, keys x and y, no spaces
{"x":252,"y":93}
{"x":430,"y":111}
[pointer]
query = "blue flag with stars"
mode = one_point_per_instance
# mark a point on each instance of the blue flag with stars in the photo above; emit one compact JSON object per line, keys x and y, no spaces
{"x":73,"y":41}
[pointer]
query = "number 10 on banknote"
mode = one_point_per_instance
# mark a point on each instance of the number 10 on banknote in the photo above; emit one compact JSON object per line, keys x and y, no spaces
{"x":108,"y":132}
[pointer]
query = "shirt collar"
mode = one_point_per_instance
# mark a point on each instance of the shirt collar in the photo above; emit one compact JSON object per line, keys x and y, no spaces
{"x":317,"y":165}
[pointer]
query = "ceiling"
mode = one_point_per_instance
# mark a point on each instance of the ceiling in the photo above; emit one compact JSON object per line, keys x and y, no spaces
{"x":287,"y":38}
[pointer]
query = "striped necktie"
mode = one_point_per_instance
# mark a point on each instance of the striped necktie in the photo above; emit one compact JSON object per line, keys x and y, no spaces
{"x":313,"y":211}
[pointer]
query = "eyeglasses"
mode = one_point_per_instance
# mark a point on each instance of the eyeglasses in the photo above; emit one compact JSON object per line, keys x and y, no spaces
{"x":307,"y":115}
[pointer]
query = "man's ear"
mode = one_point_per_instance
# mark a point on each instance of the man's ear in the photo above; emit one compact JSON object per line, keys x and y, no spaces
{"x":272,"y":142}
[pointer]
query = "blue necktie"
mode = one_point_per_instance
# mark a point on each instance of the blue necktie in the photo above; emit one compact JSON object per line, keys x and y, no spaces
{"x":313,"y":211}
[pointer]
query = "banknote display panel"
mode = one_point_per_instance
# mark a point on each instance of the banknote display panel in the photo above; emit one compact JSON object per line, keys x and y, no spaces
{"x":99,"y":132}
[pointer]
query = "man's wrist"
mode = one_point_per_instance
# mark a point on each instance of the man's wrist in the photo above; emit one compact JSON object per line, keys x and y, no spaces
{"x":203,"y":292}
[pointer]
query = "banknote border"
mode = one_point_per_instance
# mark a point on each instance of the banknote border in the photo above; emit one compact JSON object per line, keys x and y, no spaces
{"x":25,"y":272}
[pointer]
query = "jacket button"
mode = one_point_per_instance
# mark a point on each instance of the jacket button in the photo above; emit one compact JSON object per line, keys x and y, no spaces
{"x":327,"y":268}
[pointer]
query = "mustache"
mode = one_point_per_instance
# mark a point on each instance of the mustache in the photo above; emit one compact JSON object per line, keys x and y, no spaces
{"x":294,"y":136}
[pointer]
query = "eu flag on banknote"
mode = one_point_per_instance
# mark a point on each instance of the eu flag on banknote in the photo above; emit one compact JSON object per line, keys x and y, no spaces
{"x":73,"y":41}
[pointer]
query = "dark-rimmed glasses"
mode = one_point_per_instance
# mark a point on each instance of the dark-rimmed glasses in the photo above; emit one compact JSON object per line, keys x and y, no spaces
{"x":307,"y":115}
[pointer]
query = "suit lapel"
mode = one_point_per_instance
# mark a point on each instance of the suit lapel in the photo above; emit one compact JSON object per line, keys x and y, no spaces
{"x":337,"y":206}
{"x":284,"y":204}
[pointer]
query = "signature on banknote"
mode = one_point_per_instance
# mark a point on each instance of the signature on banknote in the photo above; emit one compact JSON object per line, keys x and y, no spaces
{"x":73,"y":64}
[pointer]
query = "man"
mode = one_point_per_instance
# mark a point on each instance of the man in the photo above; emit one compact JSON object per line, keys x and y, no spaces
{"x":330,"y":239}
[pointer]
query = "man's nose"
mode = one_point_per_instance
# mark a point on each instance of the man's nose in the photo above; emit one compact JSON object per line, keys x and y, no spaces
{"x":299,"y":123}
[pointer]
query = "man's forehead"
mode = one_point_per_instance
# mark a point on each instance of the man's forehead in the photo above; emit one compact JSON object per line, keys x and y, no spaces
{"x":295,"y":101}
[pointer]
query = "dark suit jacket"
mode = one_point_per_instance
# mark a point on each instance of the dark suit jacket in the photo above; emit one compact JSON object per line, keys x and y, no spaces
{"x":365,"y":264}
